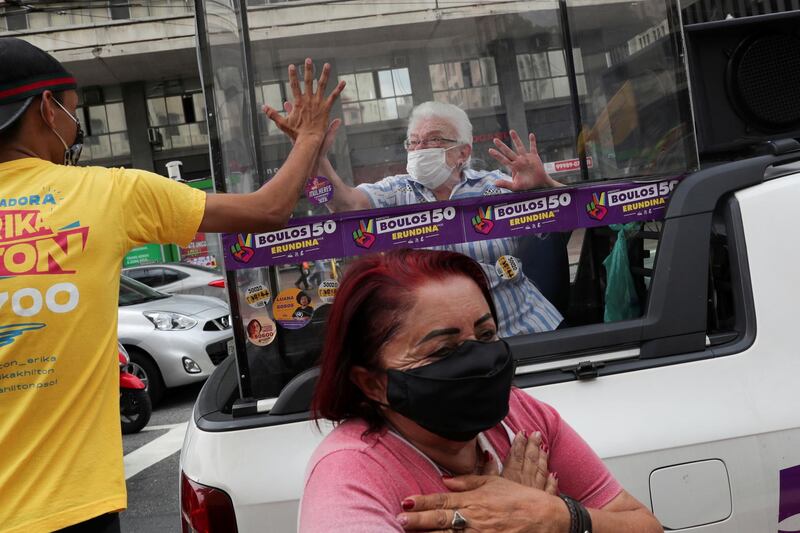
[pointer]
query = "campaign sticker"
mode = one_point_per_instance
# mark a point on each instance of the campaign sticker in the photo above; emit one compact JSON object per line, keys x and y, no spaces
{"x":507,"y":267}
{"x":411,"y":226}
{"x":261,"y":331}
{"x":304,"y":239}
{"x":319,"y":190}
{"x":292,"y":308}
{"x":513,"y":215}
{"x":257,"y":296}
{"x":628,"y":202}
{"x":327,"y":290}
{"x":789,"y":500}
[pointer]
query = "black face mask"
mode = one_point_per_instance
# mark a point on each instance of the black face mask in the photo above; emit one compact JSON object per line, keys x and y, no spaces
{"x":458,"y":396}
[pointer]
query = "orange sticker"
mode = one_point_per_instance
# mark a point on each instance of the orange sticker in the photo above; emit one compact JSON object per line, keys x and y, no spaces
{"x":292,"y":308}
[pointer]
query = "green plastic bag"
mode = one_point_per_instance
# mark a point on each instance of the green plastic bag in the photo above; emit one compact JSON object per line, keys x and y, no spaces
{"x":622,"y":302}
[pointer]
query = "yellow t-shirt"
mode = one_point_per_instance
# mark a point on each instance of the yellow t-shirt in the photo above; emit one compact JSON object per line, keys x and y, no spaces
{"x":63,"y":234}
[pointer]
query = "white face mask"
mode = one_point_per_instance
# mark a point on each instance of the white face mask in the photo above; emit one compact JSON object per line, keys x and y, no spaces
{"x":429,"y":167}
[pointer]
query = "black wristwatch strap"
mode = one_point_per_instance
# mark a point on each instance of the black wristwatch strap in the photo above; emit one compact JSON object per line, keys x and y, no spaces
{"x":586,"y":519}
{"x":579,"y":519}
{"x":573,"y":514}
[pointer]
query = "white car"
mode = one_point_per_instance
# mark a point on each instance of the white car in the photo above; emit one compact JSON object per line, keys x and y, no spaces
{"x":694,"y":405}
{"x":172,"y":340}
{"x":180,"y":278}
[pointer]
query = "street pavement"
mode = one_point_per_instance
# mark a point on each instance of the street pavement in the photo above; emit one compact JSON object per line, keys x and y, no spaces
{"x":151,"y":465}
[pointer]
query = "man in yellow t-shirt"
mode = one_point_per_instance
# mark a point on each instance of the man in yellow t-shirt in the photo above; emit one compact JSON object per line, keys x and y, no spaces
{"x":63,"y":233}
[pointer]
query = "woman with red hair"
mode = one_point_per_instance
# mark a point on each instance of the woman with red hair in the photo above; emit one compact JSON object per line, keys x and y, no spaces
{"x":430,"y":435}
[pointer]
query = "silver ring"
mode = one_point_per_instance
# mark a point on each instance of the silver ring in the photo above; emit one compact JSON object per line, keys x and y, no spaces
{"x":459,"y":522}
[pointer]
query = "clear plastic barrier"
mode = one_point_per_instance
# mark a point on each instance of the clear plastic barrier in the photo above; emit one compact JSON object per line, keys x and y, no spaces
{"x":600,"y":84}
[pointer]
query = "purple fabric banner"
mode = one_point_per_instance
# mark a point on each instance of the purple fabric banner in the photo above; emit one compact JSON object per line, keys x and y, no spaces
{"x":412,"y":226}
{"x":514,"y":215}
{"x":305,"y":239}
{"x":435,"y":224}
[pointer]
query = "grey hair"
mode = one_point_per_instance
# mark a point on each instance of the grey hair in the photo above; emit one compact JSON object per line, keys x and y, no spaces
{"x":451,"y":113}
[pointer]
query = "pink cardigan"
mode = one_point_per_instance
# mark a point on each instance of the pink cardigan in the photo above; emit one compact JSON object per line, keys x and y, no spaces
{"x":356,"y":484}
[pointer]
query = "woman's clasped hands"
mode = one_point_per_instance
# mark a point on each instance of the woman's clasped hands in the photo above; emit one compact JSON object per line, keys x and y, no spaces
{"x":523,"y":498}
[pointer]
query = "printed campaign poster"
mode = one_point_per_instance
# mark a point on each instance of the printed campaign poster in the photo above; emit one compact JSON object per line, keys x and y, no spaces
{"x":292,"y":308}
{"x":602,"y":205}
{"x":414,"y":226}
{"x":197,"y":252}
{"x":305,"y":239}
{"x":514,"y":215}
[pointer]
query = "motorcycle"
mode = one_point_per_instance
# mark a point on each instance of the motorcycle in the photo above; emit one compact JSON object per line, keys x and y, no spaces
{"x":134,"y":401}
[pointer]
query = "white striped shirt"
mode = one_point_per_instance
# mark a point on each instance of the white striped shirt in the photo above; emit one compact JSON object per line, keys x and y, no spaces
{"x":521,"y":307}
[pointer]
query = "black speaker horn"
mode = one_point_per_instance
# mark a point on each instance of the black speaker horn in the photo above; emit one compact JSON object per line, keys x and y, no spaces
{"x":745,"y":80}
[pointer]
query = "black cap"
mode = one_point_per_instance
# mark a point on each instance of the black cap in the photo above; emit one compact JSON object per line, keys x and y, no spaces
{"x":27,"y":71}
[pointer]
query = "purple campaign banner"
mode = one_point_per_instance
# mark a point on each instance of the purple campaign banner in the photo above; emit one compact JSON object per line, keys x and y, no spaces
{"x":441,"y":223}
{"x":412,"y":226}
{"x":305,"y":239}
{"x":604,"y":204}
{"x":514,"y":215}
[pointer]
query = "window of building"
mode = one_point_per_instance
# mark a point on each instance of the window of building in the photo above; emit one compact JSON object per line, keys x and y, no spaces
{"x":273,"y":94}
{"x":370,"y":96}
{"x":16,"y":19}
{"x":119,"y":9}
{"x":469,"y":84}
{"x":77,"y":13}
{"x":13,"y":19}
{"x":376,"y":95}
{"x":176,"y":112}
{"x":102,"y":114}
{"x":543,"y":75}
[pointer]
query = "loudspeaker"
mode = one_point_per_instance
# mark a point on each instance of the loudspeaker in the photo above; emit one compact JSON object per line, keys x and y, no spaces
{"x":745,"y":80}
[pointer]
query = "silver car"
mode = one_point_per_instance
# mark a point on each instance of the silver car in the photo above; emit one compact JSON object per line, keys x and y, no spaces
{"x":172,"y":340}
{"x":180,"y":278}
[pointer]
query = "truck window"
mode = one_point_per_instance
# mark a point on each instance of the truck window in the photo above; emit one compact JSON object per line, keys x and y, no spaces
{"x":602,"y":87}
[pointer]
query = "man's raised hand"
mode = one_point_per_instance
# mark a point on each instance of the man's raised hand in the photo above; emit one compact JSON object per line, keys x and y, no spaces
{"x":525,"y":165}
{"x":310,"y":109}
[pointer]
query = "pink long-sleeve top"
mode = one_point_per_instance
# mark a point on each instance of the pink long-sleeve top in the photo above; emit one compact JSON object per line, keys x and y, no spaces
{"x":355,"y":484}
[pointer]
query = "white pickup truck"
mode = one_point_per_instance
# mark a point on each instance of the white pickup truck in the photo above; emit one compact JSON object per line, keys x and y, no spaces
{"x":694,"y":405}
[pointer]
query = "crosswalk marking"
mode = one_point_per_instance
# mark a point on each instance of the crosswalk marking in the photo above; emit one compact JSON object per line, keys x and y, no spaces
{"x":156,"y":450}
{"x":162,"y":427}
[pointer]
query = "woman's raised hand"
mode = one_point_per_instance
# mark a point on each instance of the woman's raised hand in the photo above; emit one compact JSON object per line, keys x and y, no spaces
{"x":310,"y":109}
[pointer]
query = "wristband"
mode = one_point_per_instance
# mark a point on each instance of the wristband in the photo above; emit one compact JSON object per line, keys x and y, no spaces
{"x":573,"y":514}
{"x":586,"y":519}
{"x":579,"y":519}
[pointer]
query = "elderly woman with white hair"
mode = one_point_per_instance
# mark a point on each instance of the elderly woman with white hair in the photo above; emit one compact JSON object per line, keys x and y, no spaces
{"x":439,"y":145}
